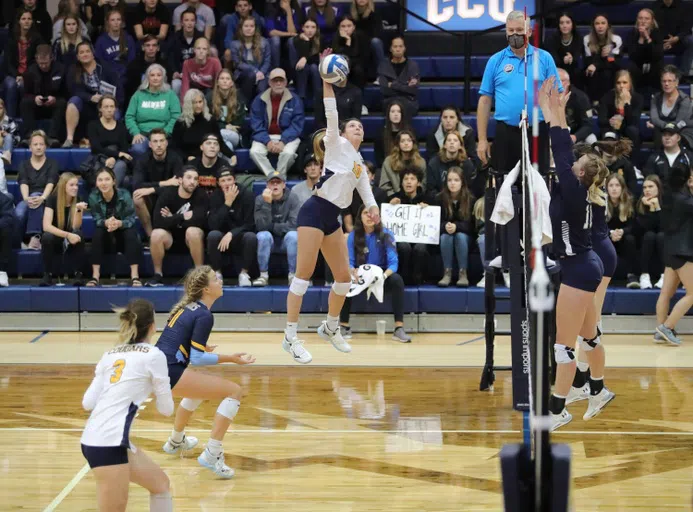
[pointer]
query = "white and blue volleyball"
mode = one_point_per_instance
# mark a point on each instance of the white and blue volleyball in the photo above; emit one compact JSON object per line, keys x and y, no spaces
{"x":334,"y":69}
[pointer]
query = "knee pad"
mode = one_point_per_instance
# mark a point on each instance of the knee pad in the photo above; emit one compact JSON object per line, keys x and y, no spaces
{"x":564,"y":355}
{"x":299,"y":286}
{"x":588,"y":345}
{"x":228,"y":408}
{"x":190,"y":404}
{"x":341,"y":288}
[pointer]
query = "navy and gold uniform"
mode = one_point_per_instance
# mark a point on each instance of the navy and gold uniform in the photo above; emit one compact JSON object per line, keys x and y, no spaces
{"x":184,"y":339}
{"x":601,"y":242}
{"x":571,"y":219}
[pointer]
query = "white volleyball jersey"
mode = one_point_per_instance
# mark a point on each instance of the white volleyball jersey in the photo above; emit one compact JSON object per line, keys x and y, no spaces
{"x":125,"y":376}
{"x":344,"y":168}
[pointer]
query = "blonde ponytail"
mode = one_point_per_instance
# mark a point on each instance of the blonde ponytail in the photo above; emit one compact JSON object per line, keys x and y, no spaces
{"x":136,"y":320}
{"x":196,"y":280}
{"x":319,"y":146}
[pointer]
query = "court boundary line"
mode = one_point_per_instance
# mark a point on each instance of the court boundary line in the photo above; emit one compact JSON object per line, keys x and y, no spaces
{"x":67,"y":489}
{"x":43,"y":333}
{"x":313,"y":431}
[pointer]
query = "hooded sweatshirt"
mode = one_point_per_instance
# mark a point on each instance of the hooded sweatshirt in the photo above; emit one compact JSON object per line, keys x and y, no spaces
{"x":149,"y":110}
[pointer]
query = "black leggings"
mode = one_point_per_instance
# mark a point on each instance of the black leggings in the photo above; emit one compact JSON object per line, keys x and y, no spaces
{"x":394,"y":285}
{"x":652,"y":243}
{"x":246,"y":244}
{"x":412,"y":262}
{"x":60,"y":258}
{"x":122,"y":240}
{"x":5,"y":247}
{"x":627,"y":254}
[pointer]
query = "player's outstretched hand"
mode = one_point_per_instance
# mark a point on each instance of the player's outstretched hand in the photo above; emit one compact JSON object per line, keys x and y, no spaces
{"x":325,"y":53}
{"x":374,"y":214}
{"x":243,"y":358}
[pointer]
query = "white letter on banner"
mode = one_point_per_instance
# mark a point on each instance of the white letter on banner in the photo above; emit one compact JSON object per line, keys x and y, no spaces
{"x":463,"y":10}
{"x":494,"y":9}
{"x":435,"y":17}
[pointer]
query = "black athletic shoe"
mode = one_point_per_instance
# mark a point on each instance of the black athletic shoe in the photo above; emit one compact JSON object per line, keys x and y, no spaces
{"x":156,"y":280}
{"x":47,"y":280}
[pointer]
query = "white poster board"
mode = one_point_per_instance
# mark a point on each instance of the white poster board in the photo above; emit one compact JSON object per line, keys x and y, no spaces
{"x":411,"y":223}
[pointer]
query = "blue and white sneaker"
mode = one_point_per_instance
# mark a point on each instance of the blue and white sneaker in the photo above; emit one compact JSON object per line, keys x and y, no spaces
{"x":577,"y":394}
{"x":296,"y":349}
{"x":669,"y":335}
{"x":334,"y":337}
{"x":598,"y":402}
{"x":558,"y":420}
{"x":216,"y":464}
{"x":188,"y":443}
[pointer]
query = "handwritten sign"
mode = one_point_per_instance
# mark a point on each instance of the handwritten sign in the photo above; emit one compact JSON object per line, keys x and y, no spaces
{"x":411,"y":223}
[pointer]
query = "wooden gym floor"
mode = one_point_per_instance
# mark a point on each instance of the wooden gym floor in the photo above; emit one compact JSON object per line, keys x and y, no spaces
{"x":389,"y":427}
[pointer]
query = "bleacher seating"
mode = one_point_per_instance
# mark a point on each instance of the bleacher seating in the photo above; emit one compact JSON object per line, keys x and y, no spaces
{"x":422,"y":299}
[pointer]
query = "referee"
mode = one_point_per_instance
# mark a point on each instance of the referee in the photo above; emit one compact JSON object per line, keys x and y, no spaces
{"x":504,"y":81}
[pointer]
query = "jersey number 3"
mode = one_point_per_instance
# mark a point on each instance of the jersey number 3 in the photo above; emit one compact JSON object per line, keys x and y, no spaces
{"x":118,"y":368}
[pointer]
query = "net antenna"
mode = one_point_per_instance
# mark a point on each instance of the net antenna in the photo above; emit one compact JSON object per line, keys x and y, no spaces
{"x":539,"y":289}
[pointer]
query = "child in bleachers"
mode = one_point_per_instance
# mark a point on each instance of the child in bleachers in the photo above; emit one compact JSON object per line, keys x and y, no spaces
{"x":62,"y":244}
{"x":566,"y":48}
{"x":19,"y":55}
{"x":404,"y":155}
{"x":229,"y":108}
{"x":65,"y":47}
{"x":602,"y":57}
{"x":645,"y":49}
{"x":9,"y":134}
{"x":183,"y":48}
{"x":412,"y":257}
{"x":325,"y":15}
{"x":109,"y":138}
{"x":115,"y":47}
{"x":649,"y":231}
{"x":372,"y":244}
{"x":115,"y":231}
{"x":395,"y":121}
{"x":251,"y":58}
{"x":350,"y":42}
{"x":456,"y":226}
{"x":620,"y":219}
{"x":450,"y":121}
{"x":451,"y":154}
{"x":37,"y":178}
{"x":304,"y":56}
{"x":620,"y":109}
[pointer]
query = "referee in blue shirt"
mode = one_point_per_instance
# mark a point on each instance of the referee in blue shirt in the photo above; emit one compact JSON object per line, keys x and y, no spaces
{"x":504,"y":82}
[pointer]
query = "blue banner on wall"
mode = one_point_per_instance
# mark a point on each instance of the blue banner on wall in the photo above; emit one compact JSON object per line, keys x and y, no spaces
{"x":463,"y":15}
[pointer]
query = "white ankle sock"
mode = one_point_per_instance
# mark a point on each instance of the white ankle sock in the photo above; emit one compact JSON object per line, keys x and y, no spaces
{"x":177,"y":437}
{"x":264,"y":274}
{"x":161,"y":502}
{"x":583,"y":366}
{"x":291,"y":330}
{"x":214,"y":447}
{"x":332,"y":323}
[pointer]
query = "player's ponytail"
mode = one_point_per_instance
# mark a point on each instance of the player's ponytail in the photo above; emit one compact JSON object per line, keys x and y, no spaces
{"x":136,"y":320}
{"x":319,"y":146}
{"x":596,"y":172}
{"x":196,"y":280}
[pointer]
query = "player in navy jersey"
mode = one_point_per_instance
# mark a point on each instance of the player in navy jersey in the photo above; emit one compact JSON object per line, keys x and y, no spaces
{"x":125,"y":376}
{"x":319,"y":228}
{"x":184,"y":342}
{"x":579,"y":188}
{"x":604,"y":248}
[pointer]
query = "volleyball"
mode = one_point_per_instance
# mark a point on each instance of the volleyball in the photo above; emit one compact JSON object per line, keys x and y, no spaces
{"x":334,"y":69}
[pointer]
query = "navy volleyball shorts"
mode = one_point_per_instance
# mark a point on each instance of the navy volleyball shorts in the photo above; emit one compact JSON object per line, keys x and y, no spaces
{"x":319,"y":213}
{"x":583,"y":271}
{"x":175,"y":372}
{"x":98,"y":456}
{"x":607,"y":253}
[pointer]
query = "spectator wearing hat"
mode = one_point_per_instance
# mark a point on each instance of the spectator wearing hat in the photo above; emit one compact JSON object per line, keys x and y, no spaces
{"x":312,"y":170}
{"x":44,"y":95}
{"x":669,"y":159}
{"x":276,"y":119}
{"x":153,"y":173}
{"x":232,"y":225}
{"x":193,"y":126}
{"x":276,"y":211}
{"x":180,"y":217}
{"x":209,"y":164}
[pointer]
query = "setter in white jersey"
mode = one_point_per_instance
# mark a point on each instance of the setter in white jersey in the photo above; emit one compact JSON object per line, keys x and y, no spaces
{"x":319,"y":228}
{"x":125,"y":376}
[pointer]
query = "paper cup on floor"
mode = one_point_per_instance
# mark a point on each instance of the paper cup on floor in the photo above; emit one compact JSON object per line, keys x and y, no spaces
{"x":380,"y":327}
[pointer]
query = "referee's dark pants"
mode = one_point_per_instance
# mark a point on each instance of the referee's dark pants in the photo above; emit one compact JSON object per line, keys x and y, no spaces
{"x":507,"y":148}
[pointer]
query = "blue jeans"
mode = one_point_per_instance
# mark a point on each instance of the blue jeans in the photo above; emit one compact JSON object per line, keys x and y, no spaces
{"x":26,"y":220}
{"x":13,"y":92}
{"x":457,"y":244}
{"x":275,"y":50}
{"x":120,"y":169}
{"x":8,"y":143}
{"x":140,"y":149}
{"x":265,"y":244}
{"x":378,"y":50}
{"x":481,"y":242}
